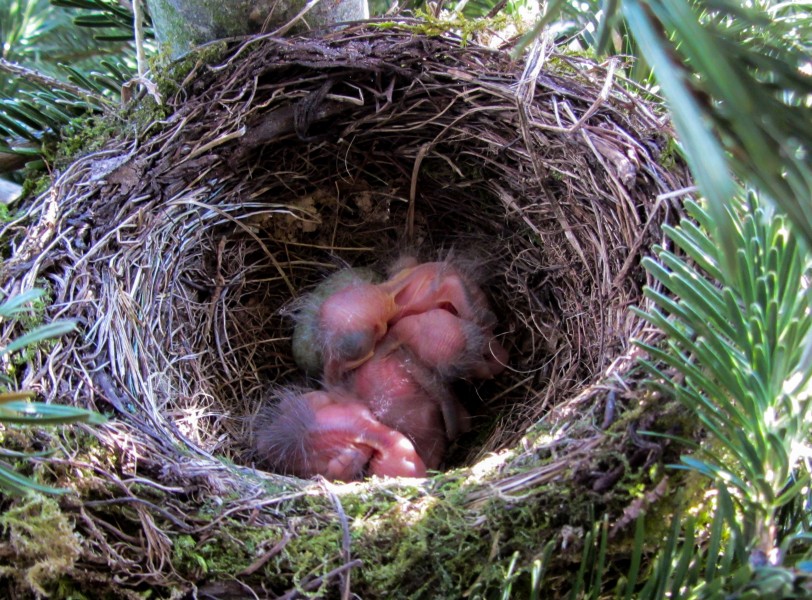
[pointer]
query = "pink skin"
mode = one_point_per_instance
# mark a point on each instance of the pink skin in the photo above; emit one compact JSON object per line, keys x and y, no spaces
{"x":320,"y":320}
{"x":441,"y":311}
{"x":448,"y":313}
{"x":431,"y":285}
{"x":405,"y":395}
{"x":352,"y":321}
{"x":325,"y":433}
{"x":452,"y":346}
{"x":386,"y":352}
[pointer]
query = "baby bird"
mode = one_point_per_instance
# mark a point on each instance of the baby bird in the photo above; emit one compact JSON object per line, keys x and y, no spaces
{"x":387,"y":353}
{"x":349,"y":314}
{"x":339,"y":321}
{"x":418,"y":287}
{"x":453,"y":347}
{"x":352,"y":322}
{"x":334,"y":435}
{"x":445,"y":319}
{"x":407,"y":396}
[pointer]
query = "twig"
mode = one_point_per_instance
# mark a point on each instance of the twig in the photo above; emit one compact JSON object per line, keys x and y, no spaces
{"x":260,"y":562}
{"x":345,"y":540}
{"x":314,"y":583}
{"x":138,"y":27}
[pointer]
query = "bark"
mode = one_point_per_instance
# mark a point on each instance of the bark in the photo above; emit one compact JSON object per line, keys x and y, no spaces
{"x":183,"y":24}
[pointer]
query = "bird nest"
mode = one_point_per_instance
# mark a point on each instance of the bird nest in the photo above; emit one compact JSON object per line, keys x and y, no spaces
{"x":182,"y":249}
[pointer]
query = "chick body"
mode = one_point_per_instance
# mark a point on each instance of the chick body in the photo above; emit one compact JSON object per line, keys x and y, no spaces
{"x":404,"y":395}
{"x":325,"y":433}
{"x":309,"y":336}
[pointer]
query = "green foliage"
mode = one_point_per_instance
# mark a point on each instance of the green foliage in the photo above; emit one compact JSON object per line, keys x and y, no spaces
{"x":748,"y":85}
{"x":736,"y":314}
{"x":736,"y":355}
{"x":41,"y":35}
{"x":16,"y":407}
{"x":742,"y":68}
{"x":17,"y":308}
{"x":59,"y":61}
{"x":114,"y":20}
{"x":694,"y":563}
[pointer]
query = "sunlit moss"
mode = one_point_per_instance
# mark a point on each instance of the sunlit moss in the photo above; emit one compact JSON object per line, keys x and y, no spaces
{"x":42,"y":541}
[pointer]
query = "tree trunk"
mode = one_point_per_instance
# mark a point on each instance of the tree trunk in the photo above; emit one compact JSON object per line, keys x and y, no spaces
{"x":183,"y":24}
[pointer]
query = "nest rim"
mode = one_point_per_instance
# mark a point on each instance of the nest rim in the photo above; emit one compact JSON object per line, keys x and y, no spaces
{"x":595,"y":198}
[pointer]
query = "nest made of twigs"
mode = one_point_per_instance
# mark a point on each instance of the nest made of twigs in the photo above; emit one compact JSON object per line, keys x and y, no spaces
{"x":180,"y":253}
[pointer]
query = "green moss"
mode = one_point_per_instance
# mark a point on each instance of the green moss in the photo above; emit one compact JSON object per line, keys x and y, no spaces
{"x":35,"y":183}
{"x":170,"y":75}
{"x":234,"y":546}
{"x":456,"y":23}
{"x":83,"y":135}
{"x":669,"y":157}
{"x":91,"y":133}
{"x":413,"y":541}
{"x":222,"y":553}
{"x":310,"y":556}
{"x":40,"y":543}
{"x":224,"y":550}
{"x":228,"y":548}
{"x":441,"y":554}
{"x":415,"y":544}
{"x":6,"y":216}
